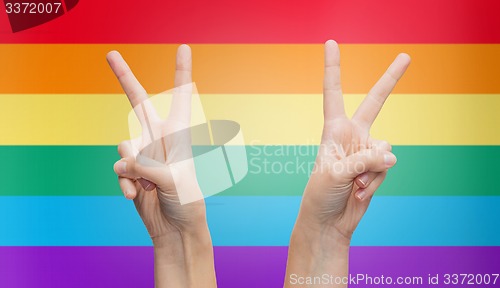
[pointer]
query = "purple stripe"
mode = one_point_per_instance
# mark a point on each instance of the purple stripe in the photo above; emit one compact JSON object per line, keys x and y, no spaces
{"x":236,"y":266}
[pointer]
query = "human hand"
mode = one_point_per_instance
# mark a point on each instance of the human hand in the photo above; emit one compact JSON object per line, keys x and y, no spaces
{"x":350,"y":164}
{"x":349,"y":168}
{"x":146,"y":174}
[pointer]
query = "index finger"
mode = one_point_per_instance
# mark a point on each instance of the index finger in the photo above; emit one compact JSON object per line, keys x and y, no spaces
{"x":372,"y":104}
{"x":136,"y":94}
{"x":180,"y":109}
{"x":333,"y":101}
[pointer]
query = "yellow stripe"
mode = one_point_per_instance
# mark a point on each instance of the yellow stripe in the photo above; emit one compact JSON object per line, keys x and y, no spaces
{"x":407,"y":119}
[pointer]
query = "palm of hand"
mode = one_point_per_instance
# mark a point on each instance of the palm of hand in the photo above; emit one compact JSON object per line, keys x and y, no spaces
{"x":172,"y":144}
{"x":342,"y":137}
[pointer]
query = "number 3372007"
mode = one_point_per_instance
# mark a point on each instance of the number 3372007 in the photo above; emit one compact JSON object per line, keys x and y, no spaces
{"x":470,"y":279}
{"x":32,"y":8}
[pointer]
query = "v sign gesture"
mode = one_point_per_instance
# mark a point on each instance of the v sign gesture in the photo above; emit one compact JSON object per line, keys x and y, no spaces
{"x":183,"y":247}
{"x":349,"y":167}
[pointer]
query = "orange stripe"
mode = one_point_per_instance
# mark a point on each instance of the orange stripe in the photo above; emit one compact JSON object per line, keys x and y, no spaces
{"x":220,"y":68}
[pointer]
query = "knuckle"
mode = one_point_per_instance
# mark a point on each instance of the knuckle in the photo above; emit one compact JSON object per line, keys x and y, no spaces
{"x":386,"y":146}
{"x":120,"y":148}
{"x":123,"y":147}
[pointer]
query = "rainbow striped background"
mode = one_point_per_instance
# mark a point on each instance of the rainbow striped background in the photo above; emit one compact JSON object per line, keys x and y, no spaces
{"x":65,"y":223}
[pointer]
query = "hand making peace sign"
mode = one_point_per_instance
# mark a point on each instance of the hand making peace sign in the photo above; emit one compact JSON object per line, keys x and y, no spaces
{"x":183,"y":247}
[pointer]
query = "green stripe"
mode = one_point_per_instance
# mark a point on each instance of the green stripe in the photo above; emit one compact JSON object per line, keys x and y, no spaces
{"x":87,"y":170}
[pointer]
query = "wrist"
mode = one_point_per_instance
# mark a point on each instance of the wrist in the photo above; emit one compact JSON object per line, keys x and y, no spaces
{"x":193,"y":238}
{"x":321,"y":239}
{"x":315,"y":251}
{"x":184,"y":259}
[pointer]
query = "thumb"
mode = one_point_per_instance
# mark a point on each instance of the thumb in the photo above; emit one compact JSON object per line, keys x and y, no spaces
{"x":373,"y":160}
{"x":148,"y":172}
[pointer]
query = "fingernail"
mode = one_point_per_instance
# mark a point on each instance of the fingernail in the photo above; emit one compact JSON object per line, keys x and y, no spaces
{"x":363,"y":179}
{"x":389,"y":159}
{"x":360,"y":194}
{"x":121,"y":167}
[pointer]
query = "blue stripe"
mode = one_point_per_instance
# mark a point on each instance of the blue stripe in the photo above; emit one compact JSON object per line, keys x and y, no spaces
{"x":249,"y":221}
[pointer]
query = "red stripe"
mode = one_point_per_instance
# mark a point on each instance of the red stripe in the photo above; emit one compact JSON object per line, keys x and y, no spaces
{"x":264,"y":21}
